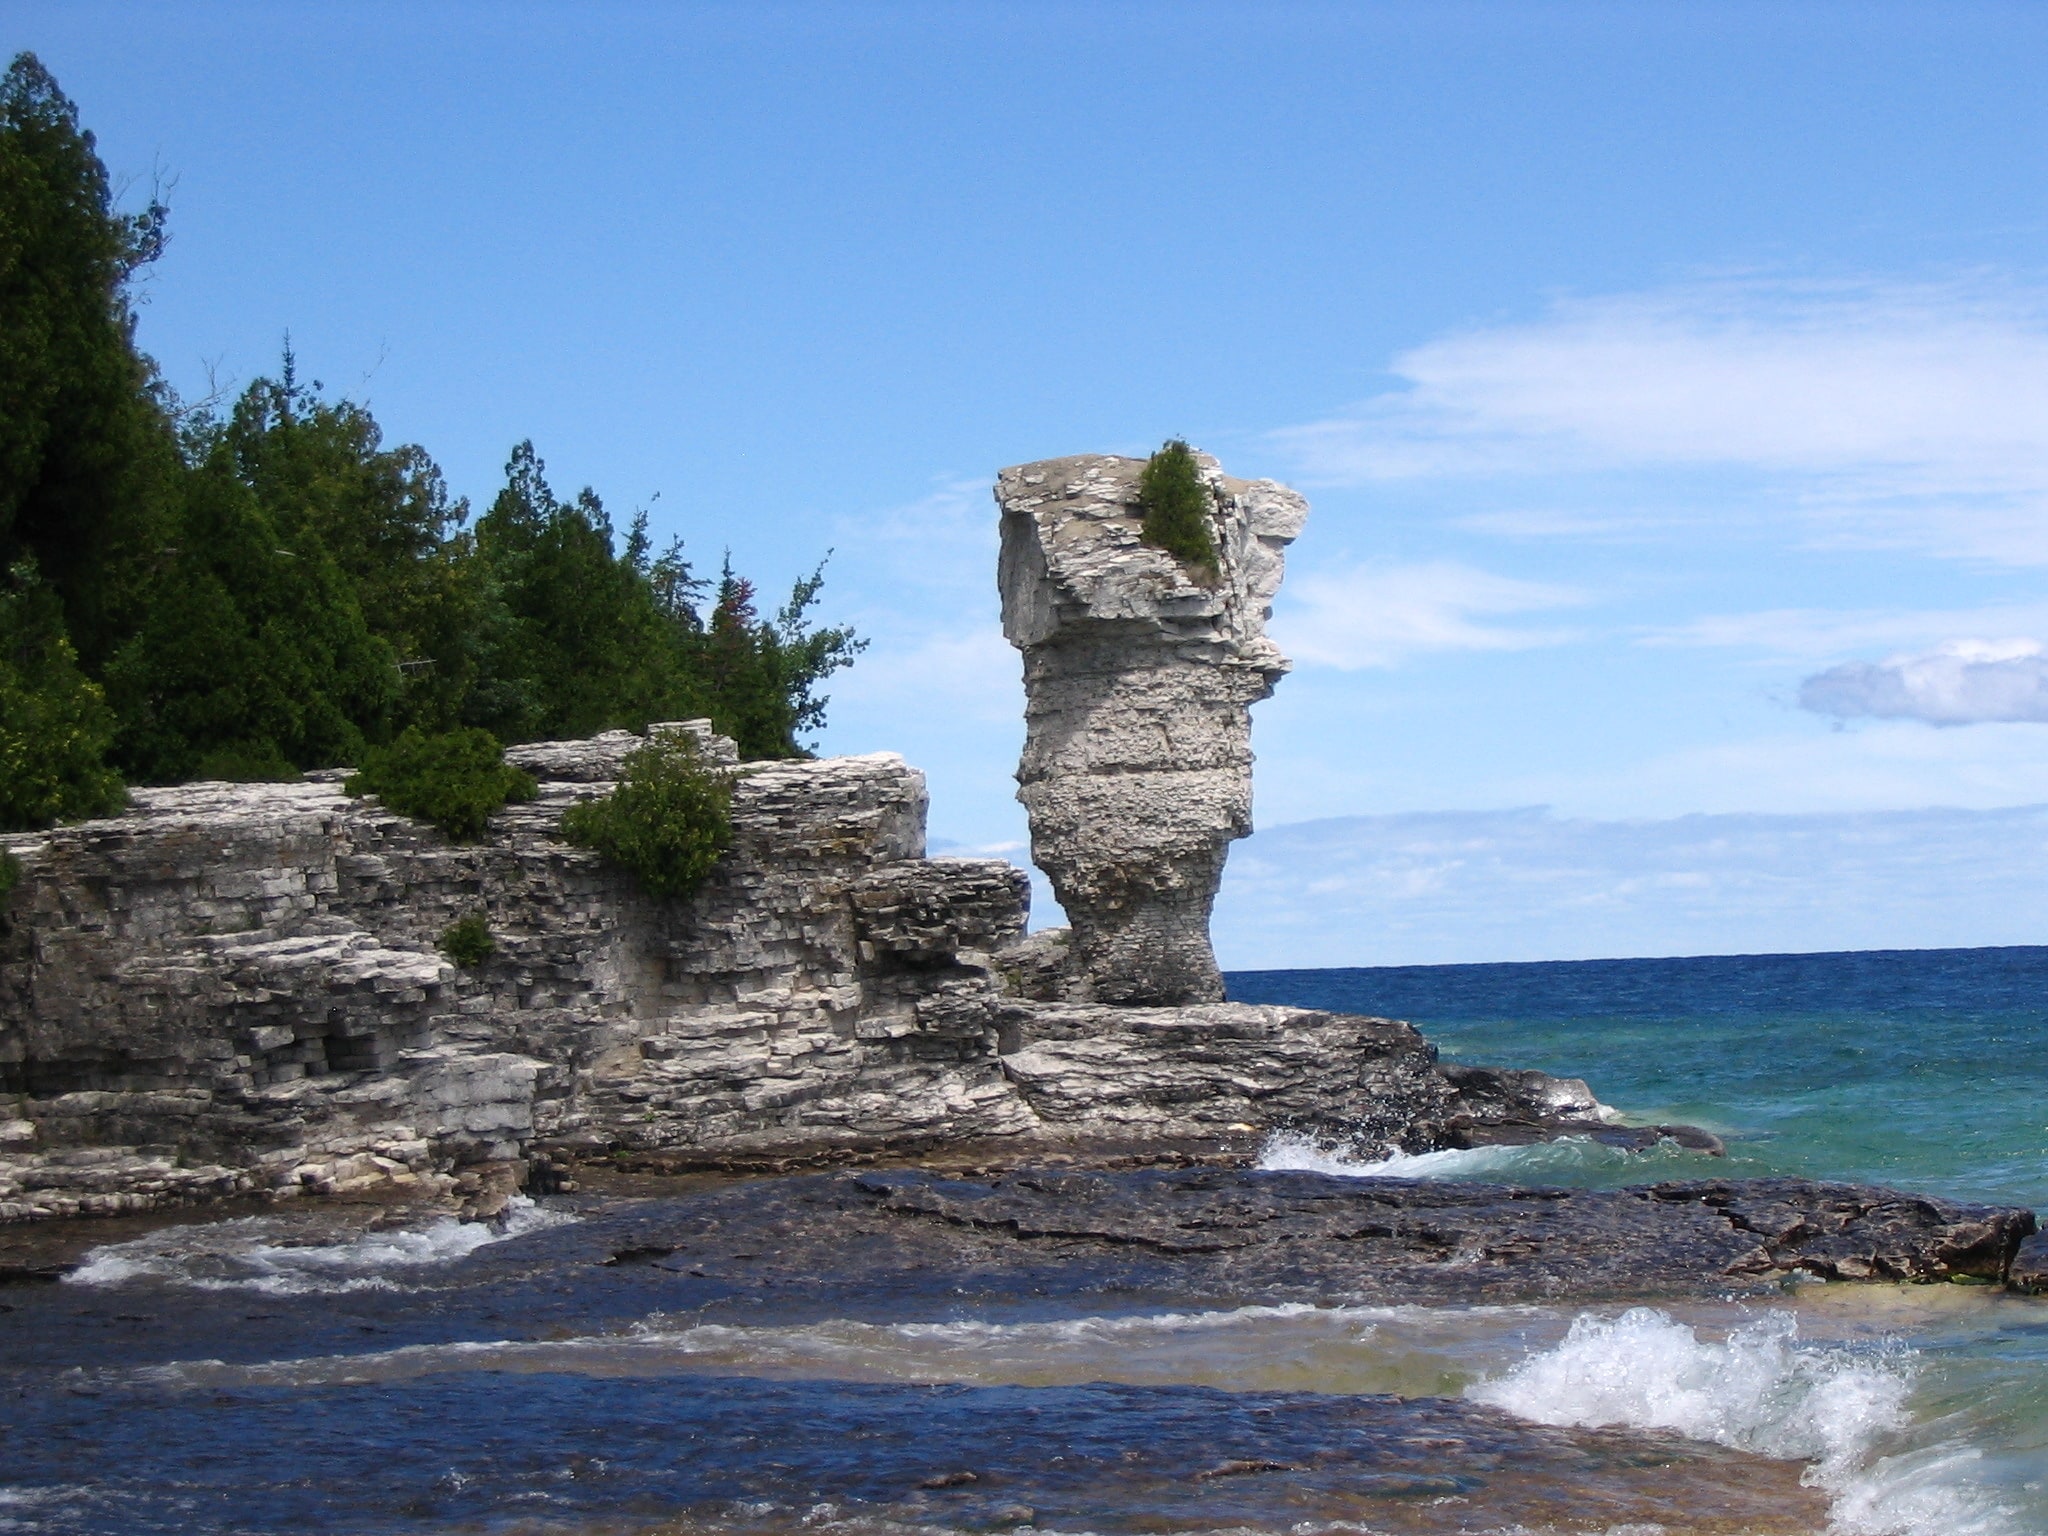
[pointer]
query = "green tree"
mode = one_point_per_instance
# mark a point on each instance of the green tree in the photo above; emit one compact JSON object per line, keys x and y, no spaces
{"x":320,"y":471}
{"x":761,"y":678}
{"x":255,"y":657}
{"x":576,"y":636}
{"x":88,"y":458}
{"x":55,"y":726}
{"x":1177,"y":506}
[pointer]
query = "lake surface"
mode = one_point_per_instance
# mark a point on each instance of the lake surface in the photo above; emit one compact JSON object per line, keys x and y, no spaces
{"x":328,"y":1370}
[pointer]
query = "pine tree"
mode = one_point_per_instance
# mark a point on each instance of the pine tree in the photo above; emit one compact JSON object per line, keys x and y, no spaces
{"x":1177,"y":507}
{"x":88,"y":460}
{"x":54,"y":724}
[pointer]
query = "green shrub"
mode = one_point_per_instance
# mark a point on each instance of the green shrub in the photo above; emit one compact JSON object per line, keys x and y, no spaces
{"x":668,"y":821}
{"x":456,"y":780}
{"x":1177,"y":504}
{"x":55,"y":726}
{"x":10,"y":875}
{"x":468,"y":942}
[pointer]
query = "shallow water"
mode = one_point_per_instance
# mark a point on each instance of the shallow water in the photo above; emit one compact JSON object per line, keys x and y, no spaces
{"x":313,"y":1370}
{"x":1919,"y":1069}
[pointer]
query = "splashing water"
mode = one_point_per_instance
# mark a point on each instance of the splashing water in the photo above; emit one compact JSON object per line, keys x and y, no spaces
{"x":254,"y":1253}
{"x":1569,"y":1160}
{"x":1759,"y":1390}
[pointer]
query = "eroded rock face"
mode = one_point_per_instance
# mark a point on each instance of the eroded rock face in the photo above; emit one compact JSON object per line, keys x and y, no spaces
{"x":236,"y":989}
{"x":1138,"y":677}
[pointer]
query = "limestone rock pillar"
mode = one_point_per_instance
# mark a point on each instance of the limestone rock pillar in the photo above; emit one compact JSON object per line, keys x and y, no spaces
{"x":1138,"y":678}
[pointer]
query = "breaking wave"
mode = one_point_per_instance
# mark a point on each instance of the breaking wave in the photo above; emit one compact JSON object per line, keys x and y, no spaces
{"x":1760,"y":1390}
{"x":255,"y":1253}
{"x":1569,"y":1160}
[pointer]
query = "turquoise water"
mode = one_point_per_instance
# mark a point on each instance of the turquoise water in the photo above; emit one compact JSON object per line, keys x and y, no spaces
{"x":1920,"y":1069}
{"x":324,"y":1369}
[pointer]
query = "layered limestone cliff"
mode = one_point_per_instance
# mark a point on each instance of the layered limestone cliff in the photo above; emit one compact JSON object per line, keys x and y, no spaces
{"x":1139,"y":674}
{"x":236,"y":989}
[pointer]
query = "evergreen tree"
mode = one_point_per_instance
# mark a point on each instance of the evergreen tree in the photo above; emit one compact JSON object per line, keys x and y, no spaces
{"x":319,"y":470}
{"x":88,"y":461}
{"x":1177,"y":507}
{"x":54,"y":724}
{"x":278,"y":589}
{"x":255,"y":659}
{"x":761,"y":677}
{"x":575,"y":640}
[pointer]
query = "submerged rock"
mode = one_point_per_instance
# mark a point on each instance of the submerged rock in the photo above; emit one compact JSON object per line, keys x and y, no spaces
{"x":1139,"y":674}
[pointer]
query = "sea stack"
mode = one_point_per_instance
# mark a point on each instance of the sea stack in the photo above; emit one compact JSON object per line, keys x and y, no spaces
{"x":1139,"y":675}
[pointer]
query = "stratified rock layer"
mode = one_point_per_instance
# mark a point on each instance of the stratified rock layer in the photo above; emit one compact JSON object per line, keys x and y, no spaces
{"x":236,"y":988}
{"x":1138,"y":675}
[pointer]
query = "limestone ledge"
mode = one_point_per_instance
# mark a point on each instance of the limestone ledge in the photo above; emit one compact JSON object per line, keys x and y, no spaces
{"x":235,"y":990}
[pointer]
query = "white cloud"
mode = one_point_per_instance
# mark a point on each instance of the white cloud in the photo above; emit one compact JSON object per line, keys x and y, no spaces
{"x":1446,"y":887}
{"x":1380,"y":615}
{"x":1889,"y":414}
{"x":1817,"y":634}
{"x":973,"y":675}
{"x":1961,"y":682}
{"x":1885,"y":765}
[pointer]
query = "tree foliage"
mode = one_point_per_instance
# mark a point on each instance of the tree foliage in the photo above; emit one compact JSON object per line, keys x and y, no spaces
{"x":251,"y":591}
{"x":87,"y":459}
{"x":457,"y":780}
{"x":468,"y":942}
{"x":1177,"y":506}
{"x":54,"y":722}
{"x":668,"y":821}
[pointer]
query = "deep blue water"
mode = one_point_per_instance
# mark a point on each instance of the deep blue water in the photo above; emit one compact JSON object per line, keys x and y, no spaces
{"x":1923,"y":1068}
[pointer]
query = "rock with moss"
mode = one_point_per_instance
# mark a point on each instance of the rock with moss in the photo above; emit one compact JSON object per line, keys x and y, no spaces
{"x":1139,"y":673}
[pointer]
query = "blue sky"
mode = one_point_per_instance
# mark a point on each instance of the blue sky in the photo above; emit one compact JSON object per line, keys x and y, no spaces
{"x":1670,"y":381}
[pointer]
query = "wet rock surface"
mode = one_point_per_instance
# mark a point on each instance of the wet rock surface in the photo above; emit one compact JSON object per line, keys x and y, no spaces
{"x":1226,"y":1235}
{"x":758,"y":1355}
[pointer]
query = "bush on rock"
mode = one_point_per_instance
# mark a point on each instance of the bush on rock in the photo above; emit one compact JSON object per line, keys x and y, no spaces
{"x":468,"y":942}
{"x":457,"y":779}
{"x":668,"y":821}
{"x":1177,"y":504}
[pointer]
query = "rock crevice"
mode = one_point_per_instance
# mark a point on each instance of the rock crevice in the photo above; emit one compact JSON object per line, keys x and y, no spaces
{"x":236,"y":989}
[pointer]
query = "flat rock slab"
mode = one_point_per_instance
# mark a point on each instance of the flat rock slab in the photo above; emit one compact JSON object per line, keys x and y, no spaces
{"x":1231,"y":1234}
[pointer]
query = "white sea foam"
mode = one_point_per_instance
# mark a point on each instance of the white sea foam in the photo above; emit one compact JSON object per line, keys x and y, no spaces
{"x":255,"y":1253}
{"x":1565,"y":1160}
{"x":1760,"y":1390}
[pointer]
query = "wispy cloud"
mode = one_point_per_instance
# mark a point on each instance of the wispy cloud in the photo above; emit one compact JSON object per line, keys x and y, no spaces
{"x":1912,"y":415}
{"x":1381,"y":615}
{"x":1815,"y":634}
{"x":1962,"y":682}
{"x":1527,"y":885}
